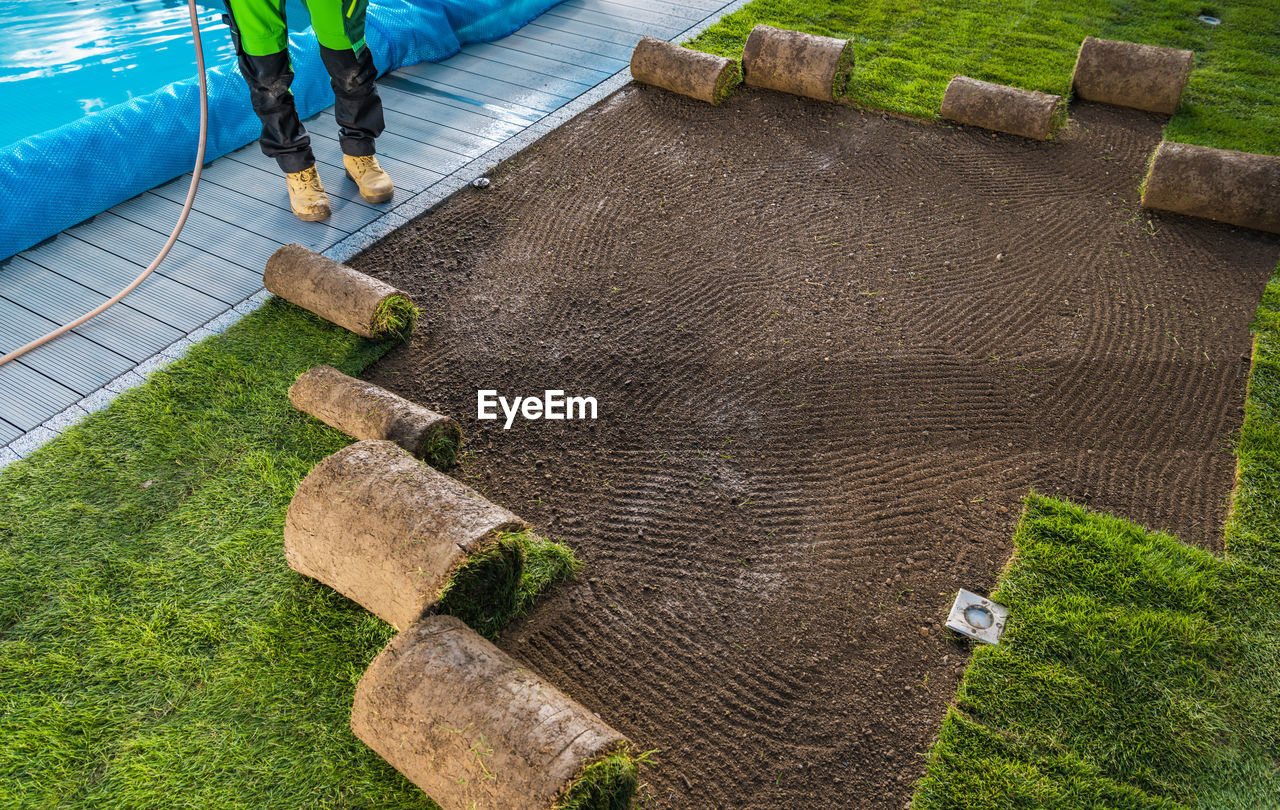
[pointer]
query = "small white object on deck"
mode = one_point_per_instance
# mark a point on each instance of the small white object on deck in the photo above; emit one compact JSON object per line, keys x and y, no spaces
{"x":977,"y":617}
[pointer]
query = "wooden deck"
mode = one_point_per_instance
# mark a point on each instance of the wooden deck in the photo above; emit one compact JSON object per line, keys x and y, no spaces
{"x":447,"y":123}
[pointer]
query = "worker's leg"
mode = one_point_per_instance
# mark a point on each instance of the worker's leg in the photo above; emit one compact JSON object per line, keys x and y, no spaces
{"x":339,"y":25}
{"x":262,"y":44}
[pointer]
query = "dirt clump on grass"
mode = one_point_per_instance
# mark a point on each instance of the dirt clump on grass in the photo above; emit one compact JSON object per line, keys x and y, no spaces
{"x":832,"y":350}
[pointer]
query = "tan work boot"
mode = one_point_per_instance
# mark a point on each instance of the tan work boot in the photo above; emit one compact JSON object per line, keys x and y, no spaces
{"x":306,"y":195}
{"x":375,"y":185}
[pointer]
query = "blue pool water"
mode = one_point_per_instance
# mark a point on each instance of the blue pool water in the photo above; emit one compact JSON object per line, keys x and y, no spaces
{"x":61,"y":59}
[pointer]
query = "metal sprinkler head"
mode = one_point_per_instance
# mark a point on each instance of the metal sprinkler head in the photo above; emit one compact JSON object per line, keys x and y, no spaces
{"x":1209,"y":19}
{"x":480,"y":182}
{"x":977,"y":617}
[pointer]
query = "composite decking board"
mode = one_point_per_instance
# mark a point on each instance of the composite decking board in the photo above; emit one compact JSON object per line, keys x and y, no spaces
{"x":648,"y":17}
{"x":592,"y":38}
{"x":699,"y":10}
{"x":236,"y":174}
{"x":408,"y":176}
{"x":482,"y":122}
{"x":9,"y":432}
{"x":203,"y":231}
{"x":556,"y":84}
{"x":612,"y":59}
{"x":508,"y":84}
{"x":440,"y":116}
{"x":689,"y":13}
{"x":400,"y":94}
{"x":416,"y":86}
{"x":584,"y":74}
{"x":163,"y":298}
{"x":122,"y":328}
{"x":350,"y":212}
{"x":403,"y":121}
{"x":615,"y":29}
{"x":251,"y":214}
{"x":402,"y":135}
{"x":197,"y":268}
{"x":159,"y":296}
{"x":31,"y":397}
{"x":440,"y":125}
{"x":76,"y":362}
{"x":531,"y":104}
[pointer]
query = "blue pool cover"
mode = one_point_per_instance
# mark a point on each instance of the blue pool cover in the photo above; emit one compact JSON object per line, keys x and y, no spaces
{"x":51,"y":181}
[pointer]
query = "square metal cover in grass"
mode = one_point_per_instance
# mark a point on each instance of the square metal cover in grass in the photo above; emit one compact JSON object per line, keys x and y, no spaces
{"x":977,"y":617}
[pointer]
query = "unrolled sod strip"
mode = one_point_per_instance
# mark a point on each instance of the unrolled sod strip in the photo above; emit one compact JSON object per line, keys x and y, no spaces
{"x":387,"y":531}
{"x":798,"y":63}
{"x":367,"y":411}
{"x":699,"y":75}
{"x":471,"y":727}
{"x":1004,"y":109}
{"x":1127,"y":74}
{"x":363,"y":304}
{"x":1239,"y":188}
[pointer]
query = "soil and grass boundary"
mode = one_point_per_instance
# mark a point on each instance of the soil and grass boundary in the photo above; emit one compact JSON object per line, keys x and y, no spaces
{"x":1136,"y":671}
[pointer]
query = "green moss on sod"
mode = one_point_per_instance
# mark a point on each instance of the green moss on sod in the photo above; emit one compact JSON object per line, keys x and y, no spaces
{"x":842,"y":87}
{"x":482,"y":592}
{"x":395,"y":317}
{"x":501,"y":583}
{"x":908,"y":51}
{"x":727,"y":82}
{"x":441,"y":448}
{"x":607,"y":784}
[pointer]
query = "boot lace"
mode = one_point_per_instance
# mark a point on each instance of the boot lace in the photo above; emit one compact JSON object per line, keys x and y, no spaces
{"x":363,"y":163}
{"x":308,"y":180}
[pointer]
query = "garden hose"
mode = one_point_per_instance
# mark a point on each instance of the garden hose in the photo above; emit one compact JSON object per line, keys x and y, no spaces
{"x":182,"y":218}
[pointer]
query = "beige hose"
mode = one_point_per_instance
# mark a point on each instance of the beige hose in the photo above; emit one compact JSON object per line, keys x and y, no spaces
{"x":182,"y":219}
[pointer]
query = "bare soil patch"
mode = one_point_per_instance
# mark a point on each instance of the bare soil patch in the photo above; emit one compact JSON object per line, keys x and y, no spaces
{"x":832,"y":350}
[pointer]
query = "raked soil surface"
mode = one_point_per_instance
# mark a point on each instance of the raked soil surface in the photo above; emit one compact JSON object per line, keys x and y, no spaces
{"x":832,"y":350}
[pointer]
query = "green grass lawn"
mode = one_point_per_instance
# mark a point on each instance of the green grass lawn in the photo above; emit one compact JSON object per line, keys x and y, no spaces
{"x":1136,"y":671}
{"x":156,"y":650}
{"x":908,"y":50}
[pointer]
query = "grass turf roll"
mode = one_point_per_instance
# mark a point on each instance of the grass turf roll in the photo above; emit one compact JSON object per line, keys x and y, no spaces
{"x":1239,"y":188}
{"x":1127,"y":74}
{"x":388,"y":532}
{"x":335,"y":292}
{"x":367,"y":411}
{"x":473,"y":728}
{"x":690,"y":73}
{"x":798,"y":63}
{"x":1005,"y":109}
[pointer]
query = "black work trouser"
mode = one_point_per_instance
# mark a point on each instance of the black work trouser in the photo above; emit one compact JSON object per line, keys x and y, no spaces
{"x":358,"y":108}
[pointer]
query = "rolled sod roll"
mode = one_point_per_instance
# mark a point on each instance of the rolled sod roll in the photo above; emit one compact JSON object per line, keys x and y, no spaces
{"x":470,"y":726}
{"x":1005,"y":109}
{"x":366,"y":411}
{"x":797,"y":63}
{"x":335,"y":292}
{"x":703,"y":76}
{"x":1145,"y":77}
{"x":1239,"y":188}
{"x":389,"y":532}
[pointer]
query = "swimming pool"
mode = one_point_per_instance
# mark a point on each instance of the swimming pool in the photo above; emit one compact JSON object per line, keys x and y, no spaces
{"x":61,"y":60}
